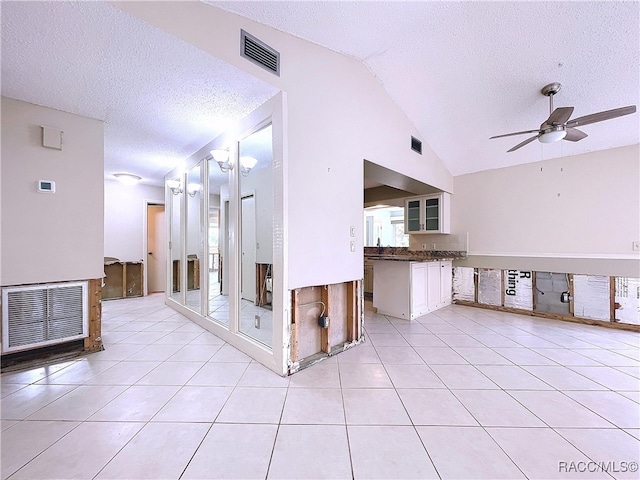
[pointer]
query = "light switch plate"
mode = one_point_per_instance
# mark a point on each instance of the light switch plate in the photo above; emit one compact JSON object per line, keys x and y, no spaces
{"x":352,"y":231}
{"x":352,"y":246}
{"x":636,"y":246}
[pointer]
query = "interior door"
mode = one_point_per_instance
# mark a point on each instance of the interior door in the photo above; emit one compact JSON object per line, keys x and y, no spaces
{"x":156,"y":251}
{"x":248,"y":219}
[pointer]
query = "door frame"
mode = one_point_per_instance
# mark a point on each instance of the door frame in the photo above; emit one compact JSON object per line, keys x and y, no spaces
{"x":145,"y":242}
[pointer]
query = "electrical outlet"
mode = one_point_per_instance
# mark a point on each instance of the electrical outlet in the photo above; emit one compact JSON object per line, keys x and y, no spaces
{"x":256,"y":322}
{"x":424,"y":246}
{"x":352,"y":246}
{"x":352,"y":231}
{"x":636,"y":246}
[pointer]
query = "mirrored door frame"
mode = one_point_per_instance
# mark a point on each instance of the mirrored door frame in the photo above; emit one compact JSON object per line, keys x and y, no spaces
{"x":275,"y":358}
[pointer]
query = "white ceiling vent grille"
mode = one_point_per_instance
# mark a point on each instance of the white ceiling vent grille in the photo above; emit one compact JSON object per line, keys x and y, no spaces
{"x":259,"y":53}
{"x":43,"y":315}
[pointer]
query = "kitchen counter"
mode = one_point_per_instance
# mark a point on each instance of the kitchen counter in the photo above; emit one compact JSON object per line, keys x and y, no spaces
{"x":403,"y":254}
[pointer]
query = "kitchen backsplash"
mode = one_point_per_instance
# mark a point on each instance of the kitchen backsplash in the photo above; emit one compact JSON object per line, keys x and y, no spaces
{"x":454,"y":242}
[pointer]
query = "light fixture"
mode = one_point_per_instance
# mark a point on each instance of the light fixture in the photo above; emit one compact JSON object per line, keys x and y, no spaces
{"x":193,"y":188}
{"x":175,"y":186}
{"x":246,"y":164}
{"x":553,"y":134}
{"x":222,"y":159}
{"x":128,"y":179}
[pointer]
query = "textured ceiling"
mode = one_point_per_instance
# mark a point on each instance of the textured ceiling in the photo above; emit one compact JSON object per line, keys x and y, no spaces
{"x":161,"y":99}
{"x":465,"y":71}
{"x":461,"y":72}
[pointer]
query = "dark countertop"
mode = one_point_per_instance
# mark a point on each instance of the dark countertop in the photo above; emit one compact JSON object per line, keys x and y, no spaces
{"x":403,"y":254}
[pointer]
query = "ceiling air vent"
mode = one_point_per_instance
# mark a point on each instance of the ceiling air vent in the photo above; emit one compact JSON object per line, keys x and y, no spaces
{"x":259,"y":52}
{"x":416,"y":145}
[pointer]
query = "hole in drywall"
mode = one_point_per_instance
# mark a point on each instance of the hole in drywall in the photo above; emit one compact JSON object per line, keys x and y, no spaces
{"x":416,"y":145}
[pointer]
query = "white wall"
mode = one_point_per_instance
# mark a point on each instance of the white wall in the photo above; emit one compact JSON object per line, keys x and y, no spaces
{"x":583,"y":207}
{"x":124,"y":217}
{"x":50,"y":237}
{"x":338,"y":115}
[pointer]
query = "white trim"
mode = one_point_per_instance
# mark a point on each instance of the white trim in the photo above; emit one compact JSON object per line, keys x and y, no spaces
{"x":145,"y":241}
{"x":601,"y":256}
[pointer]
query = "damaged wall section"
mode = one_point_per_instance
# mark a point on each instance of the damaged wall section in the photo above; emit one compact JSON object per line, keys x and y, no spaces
{"x":587,"y":298}
{"x":325,"y":320}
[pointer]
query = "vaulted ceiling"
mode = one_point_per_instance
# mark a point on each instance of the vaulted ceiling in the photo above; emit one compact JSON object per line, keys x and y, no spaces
{"x":461,"y":71}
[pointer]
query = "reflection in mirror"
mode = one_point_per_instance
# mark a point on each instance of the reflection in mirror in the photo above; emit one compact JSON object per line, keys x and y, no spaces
{"x":384,"y":226}
{"x":256,"y":235}
{"x":218,"y":298}
{"x":176,"y":244}
{"x":193,"y":197}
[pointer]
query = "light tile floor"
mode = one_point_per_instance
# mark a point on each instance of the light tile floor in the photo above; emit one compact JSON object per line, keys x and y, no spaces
{"x":459,"y":393}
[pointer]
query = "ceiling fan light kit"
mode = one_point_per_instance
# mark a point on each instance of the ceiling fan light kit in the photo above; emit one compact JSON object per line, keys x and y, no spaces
{"x":558,"y":126}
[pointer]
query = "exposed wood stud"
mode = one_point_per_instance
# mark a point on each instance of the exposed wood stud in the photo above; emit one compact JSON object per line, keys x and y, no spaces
{"x":358,"y":298}
{"x":294,"y":325}
{"x":612,"y":298}
{"x":93,"y":342}
{"x":352,"y":313}
{"x":325,"y":338}
{"x":571,"y":296}
{"x":476,"y":273}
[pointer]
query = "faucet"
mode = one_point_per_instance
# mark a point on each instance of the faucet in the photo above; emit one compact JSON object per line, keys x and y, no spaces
{"x":379,"y":246}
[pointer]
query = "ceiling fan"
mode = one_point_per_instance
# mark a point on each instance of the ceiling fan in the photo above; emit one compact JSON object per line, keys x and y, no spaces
{"x":558,"y":126}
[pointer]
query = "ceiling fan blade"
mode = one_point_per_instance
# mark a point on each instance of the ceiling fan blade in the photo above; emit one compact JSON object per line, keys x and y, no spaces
{"x":559,"y":116}
{"x":573,"y":135}
{"x":515,"y":133}
{"x":522,"y":144}
{"x":601,"y":116}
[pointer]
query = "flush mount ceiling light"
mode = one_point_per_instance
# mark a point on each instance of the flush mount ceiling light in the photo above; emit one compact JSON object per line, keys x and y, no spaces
{"x":246,"y":164}
{"x":127,"y":179}
{"x":222,"y":159}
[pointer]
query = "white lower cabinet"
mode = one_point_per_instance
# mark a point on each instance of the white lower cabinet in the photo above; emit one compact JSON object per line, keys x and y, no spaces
{"x":411,"y":289}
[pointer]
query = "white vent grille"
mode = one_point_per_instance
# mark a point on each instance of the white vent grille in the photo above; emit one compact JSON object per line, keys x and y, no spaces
{"x":42,"y":315}
{"x":259,"y":53}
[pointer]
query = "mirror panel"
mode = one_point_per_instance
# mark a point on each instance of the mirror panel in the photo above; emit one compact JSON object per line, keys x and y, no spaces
{"x":218,"y":291}
{"x":173,"y":187}
{"x":194,"y":234}
{"x":254,"y":169}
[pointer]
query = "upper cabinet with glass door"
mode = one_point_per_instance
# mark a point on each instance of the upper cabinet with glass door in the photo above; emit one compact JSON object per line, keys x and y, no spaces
{"x":428,"y":214}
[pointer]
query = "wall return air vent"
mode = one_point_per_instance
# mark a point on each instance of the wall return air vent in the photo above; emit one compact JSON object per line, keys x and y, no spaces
{"x":259,"y":53}
{"x":41,"y":315}
{"x":416,"y":145}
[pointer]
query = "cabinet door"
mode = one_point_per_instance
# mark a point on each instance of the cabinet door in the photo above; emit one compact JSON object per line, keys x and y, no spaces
{"x":446,"y":282}
{"x":432,"y":214}
{"x":433,"y":285}
{"x":412,"y":216}
{"x":418,"y":289}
